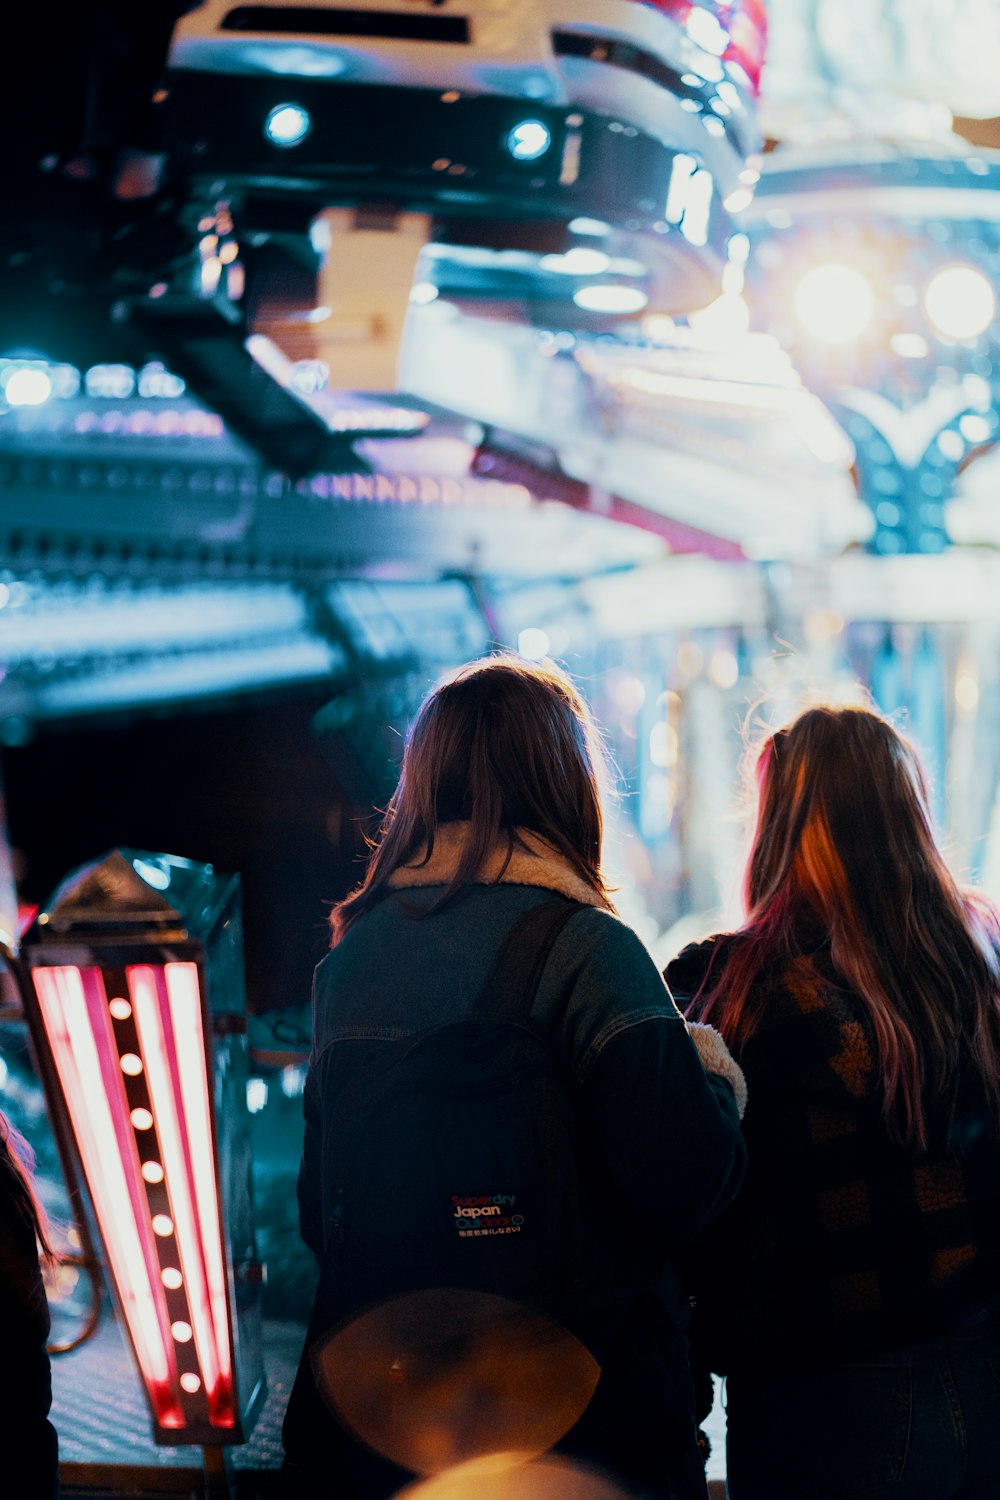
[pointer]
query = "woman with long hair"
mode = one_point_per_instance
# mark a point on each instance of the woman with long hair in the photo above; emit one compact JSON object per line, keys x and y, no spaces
{"x":27,"y":1438}
{"x":852,"y":1293}
{"x":496,"y":824}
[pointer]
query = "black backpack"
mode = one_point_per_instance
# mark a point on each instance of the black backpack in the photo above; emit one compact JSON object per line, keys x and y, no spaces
{"x":454,"y":1161}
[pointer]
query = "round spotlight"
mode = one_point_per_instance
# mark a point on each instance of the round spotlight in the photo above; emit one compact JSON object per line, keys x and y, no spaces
{"x":589,"y":226}
{"x":576,"y":262}
{"x":960,"y":302}
{"x":529,"y":140}
{"x":533,"y":643}
{"x":835,"y":303}
{"x":610,"y":298}
{"x":287,"y":125}
{"x":27,"y":386}
{"x":706,"y":32}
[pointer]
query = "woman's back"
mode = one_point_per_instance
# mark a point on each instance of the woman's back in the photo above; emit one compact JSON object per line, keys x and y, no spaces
{"x":497,"y":815}
{"x":843,"y":1241}
{"x":852,"y":1294}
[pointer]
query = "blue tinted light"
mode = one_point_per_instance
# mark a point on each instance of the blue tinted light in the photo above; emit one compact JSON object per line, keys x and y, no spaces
{"x":26,"y":385}
{"x":529,"y":140}
{"x":287,"y":125}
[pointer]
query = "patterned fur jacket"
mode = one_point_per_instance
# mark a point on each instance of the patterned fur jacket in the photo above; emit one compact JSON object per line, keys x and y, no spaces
{"x":841,"y":1243}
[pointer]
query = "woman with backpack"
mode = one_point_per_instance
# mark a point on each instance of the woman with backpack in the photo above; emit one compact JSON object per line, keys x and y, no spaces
{"x":852,"y":1294}
{"x":27,"y":1438}
{"x":502,"y":1097}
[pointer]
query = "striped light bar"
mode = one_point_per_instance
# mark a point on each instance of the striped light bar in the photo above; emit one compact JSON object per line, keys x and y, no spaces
{"x":129,"y":1048}
{"x":167,"y":1005}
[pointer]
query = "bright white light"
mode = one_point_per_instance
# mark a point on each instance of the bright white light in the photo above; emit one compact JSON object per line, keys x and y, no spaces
{"x":610,"y":299}
{"x":659,"y":329}
{"x":623,"y":265}
{"x":110,"y":382}
{"x":966,"y":691}
{"x":533,"y":644}
{"x":960,"y":302}
{"x":689,"y":198}
{"x":910,"y":345}
{"x":423,"y":292}
{"x":256,"y":1094}
{"x":152,"y":874}
{"x":975,"y":429}
{"x":589,"y":226}
{"x":664,"y":746}
{"x":835,"y":303}
{"x":576,"y":262}
{"x":529,"y":140}
{"x":211,"y":274}
{"x":287,"y":125}
{"x":293,"y":1081}
{"x":724,"y":669}
{"x":27,"y":386}
{"x":309,"y":376}
{"x":722,"y":321}
{"x":320,"y":236}
{"x":706,"y":32}
{"x":155,"y":381}
{"x":738,"y":200}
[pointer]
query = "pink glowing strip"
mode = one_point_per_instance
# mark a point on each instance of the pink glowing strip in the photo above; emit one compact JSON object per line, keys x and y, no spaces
{"x":76,"y":1049}
{"x":186,"y":1018}
{"x":143,"y":988}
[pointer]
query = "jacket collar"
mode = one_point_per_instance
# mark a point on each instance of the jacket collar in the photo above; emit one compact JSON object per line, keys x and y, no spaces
{"x":533,"y":862}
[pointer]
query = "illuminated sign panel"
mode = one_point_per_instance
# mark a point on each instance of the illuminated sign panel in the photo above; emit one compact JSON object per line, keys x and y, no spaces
{"x":137,"y":971}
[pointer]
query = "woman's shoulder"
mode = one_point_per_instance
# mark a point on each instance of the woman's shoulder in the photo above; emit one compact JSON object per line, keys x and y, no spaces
{"x":697,"y":962}
{"x":603,"y":938}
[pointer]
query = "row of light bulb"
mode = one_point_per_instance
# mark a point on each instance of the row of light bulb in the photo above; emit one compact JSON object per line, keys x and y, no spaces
{"x":288,"y":125}
{"x":836,"y":303}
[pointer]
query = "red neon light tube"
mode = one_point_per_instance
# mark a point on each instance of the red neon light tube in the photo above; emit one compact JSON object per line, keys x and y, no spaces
{"x":74,"y":1008}
{"x":168,"y":1014}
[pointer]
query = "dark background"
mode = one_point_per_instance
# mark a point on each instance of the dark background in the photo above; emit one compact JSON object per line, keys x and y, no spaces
{"x":248,"y":790}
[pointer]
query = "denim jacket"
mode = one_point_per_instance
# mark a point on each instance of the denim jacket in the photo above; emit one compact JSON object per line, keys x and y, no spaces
{"x":659,"y":1137}
{"x":662,"y":1134}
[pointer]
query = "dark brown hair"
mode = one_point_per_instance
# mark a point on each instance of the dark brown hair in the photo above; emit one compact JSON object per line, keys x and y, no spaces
{"x":844,"y":849}
{"x":504,"y":745}
{"x":17,"y":1163}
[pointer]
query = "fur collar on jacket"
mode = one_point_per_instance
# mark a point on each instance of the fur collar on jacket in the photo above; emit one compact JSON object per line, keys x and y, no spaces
{"x":533,"y":862}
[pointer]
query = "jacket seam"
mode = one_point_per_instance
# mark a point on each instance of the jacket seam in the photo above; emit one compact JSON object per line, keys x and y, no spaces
{"x":615,"y":1028}
{"x":364,"y":1034}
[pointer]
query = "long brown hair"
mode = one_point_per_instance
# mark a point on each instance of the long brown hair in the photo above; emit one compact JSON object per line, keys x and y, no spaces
{"x":844,"y":850}
{"x":504,"y":745}
{"x":17,"y":1164}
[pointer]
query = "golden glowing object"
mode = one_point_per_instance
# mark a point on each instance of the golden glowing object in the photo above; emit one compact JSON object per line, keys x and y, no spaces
{"x":442,"y":1377}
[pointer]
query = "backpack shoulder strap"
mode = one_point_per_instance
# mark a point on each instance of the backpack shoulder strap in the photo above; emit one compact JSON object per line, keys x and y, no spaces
{"x":510,"y":988}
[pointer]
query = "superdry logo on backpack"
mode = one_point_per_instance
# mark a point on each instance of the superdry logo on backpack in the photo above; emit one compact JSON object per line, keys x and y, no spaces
{"x":487,"y":1215}
{"x":463,"y":1130}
